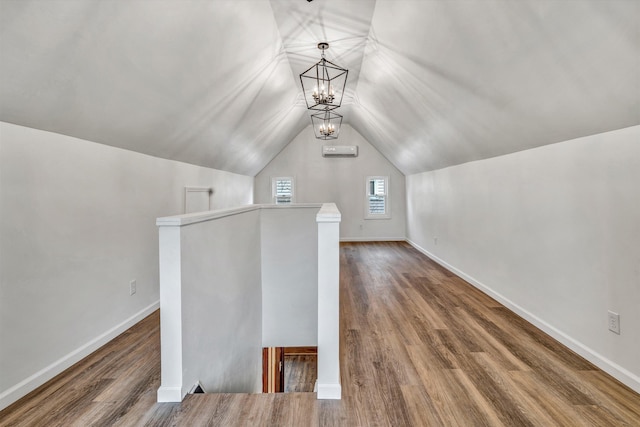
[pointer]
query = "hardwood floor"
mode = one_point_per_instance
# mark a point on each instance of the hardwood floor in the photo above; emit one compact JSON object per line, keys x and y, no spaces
{"x":419,"y":347}
{"x":300,"y":373}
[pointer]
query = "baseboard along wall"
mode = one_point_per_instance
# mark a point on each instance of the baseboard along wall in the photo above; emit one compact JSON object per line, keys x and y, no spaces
{"x":36,"y":380}
{"x":618,"y":372}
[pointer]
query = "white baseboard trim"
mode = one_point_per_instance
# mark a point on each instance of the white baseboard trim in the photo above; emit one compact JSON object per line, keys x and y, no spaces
{"x":170,"y":394}
{"x":373,"y":239}
{"x":329,"y":391}
{"x":618,"y":372}
{"x":29,"y":384}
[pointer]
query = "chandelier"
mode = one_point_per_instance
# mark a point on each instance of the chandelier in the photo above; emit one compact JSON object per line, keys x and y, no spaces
{"x":323,"y":83}
{"x":326,"y":124}
{"x":323,"y":87}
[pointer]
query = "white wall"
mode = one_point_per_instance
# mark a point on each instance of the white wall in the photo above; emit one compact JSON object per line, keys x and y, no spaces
{"x":289,"y":276}
{"x":222,"y":304}
{"x":77,"y":223}
{"x":554,"y":232}
{"x":338,"y":180}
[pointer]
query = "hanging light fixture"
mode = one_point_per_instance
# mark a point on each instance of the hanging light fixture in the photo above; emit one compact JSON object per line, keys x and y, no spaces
{"x":326,"y":124}
{"x":323,"y":84}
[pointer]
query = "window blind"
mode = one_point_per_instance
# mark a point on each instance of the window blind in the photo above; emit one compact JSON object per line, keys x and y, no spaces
{"x":283,"y":190}
{"x":377,"y":196}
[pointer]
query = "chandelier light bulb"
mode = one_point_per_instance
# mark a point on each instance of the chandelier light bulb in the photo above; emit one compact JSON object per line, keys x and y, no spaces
{"x":323,"y":97}
{"x":327,"y":129}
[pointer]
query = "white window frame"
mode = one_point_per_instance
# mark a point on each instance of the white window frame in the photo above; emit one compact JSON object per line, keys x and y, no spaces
{"x":387,"y":203}
{"x":274,"y":181}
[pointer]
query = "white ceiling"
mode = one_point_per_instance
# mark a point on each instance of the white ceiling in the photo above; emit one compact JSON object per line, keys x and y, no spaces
{"x":431,"y":83}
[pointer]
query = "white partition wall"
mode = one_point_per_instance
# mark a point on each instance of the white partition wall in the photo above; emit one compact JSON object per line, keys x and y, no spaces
{"x":222,"y":304}
{"x":210,"y":302}
{"x":289,"y":239}
{"x":235,"y":280}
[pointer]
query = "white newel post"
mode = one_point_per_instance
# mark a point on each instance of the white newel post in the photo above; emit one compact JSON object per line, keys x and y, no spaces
{"x":171,"y":389}
{"x":328,"y":220}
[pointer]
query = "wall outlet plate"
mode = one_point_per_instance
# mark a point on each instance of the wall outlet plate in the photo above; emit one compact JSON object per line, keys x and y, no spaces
{"x":614,"y":322}
{"x":132,"y":287}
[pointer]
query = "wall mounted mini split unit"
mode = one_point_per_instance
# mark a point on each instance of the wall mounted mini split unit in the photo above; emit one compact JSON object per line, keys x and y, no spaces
{"x":339,"y":151}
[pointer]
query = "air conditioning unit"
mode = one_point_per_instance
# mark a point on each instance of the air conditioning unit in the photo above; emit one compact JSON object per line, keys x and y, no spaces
{"x":339,"y":151}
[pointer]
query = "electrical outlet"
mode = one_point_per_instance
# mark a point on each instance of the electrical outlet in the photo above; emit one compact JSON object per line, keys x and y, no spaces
{"x":614,"y":322}
{"x":435,"y":241}
{"x":132,"y":287}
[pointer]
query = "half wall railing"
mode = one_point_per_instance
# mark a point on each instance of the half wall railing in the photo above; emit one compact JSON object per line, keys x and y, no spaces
{"x":236,"y":280}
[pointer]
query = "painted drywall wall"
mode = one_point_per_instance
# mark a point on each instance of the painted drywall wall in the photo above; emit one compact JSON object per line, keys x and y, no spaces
{"x":77,"y":224}
{"x":554,"y":232}
{"x":340,"y":181}
{"x":222,"y":304}
{"x":289,"y":276}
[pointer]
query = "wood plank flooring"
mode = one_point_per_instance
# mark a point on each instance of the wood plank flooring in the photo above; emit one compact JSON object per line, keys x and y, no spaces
{"x":300,"y":373}
{"x":419,"y":347}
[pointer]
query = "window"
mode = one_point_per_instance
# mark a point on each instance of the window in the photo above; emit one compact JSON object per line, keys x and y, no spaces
{"x":377,"y":198}
{"x":282,"y":190}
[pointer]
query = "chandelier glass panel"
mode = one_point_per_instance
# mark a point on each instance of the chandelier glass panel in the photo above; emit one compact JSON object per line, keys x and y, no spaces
{"x":323,"y":87}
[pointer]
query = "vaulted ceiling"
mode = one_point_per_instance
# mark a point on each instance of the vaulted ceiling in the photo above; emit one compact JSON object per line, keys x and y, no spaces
{"x":215,"y":83}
